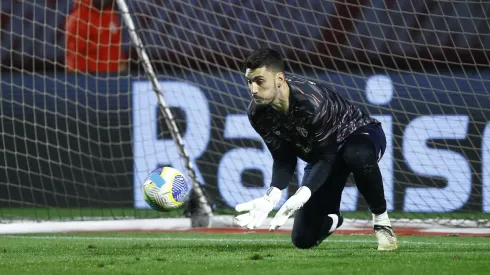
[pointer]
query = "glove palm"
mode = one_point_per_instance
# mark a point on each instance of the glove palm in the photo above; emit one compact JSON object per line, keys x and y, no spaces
{"x":258,"y":209}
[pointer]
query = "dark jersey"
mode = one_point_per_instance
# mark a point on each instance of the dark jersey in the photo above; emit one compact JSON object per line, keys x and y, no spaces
{"x":315,"y":126}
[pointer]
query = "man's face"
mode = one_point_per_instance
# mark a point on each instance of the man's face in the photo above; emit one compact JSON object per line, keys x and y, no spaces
{"x":262,"y":84}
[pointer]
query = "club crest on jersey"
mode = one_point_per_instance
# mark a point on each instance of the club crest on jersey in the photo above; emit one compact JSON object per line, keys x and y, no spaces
{"x":307,"y":149}
{"x":302,"y":131}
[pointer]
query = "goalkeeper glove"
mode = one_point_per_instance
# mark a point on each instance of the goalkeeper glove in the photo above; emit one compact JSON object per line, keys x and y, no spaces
{"x":294,"y":203}
{"x":258,"y":209}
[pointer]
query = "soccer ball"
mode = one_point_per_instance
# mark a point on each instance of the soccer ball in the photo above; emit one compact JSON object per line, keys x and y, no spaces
{"x":166,"y":189}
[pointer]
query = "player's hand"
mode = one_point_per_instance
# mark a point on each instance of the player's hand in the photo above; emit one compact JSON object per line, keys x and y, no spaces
{"x":290,"y":207}
{"x":258,"y":209}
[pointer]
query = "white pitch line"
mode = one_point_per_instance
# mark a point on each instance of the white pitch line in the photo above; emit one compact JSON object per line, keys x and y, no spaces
{"x":258,"y":240}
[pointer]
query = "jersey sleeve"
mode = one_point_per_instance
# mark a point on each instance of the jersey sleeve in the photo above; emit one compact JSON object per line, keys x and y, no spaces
{"x":320,"y":171}
{"x":323,"y":140}
{"x":283,"y":167}
{"x":284,"y":159}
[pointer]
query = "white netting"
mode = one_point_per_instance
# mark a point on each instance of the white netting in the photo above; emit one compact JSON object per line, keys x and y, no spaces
{"x":88,"y":140}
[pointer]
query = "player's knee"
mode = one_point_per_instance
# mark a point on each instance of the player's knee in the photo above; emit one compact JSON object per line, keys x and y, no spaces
{"x":303,"y":242}
{"x":360,"y":156}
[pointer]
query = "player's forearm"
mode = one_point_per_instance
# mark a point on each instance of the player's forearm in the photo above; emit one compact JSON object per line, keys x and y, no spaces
{"x":283,"y":171}
{"x":319,"y":173}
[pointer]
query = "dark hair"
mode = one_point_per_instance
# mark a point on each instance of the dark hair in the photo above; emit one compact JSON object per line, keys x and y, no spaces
{"x":267,"y":57}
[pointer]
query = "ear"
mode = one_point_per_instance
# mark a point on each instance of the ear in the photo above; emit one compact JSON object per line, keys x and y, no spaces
{"x":280,"y":78}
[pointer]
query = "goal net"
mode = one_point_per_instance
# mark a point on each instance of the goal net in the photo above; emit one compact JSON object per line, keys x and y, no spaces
{"x":77,"y":146}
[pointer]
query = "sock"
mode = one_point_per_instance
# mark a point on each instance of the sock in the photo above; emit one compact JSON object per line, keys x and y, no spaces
{"x":330,"y":223}
{"x":381,"y":219}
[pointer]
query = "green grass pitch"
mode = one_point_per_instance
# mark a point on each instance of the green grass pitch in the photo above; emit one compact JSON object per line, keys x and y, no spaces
{"x":238,"y":253}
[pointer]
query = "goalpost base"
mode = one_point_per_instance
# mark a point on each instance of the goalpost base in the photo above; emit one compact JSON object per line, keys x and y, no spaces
{"x":201,"y":221}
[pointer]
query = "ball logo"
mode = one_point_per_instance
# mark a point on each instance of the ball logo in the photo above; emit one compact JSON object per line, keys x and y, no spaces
{"x":180,"y":188}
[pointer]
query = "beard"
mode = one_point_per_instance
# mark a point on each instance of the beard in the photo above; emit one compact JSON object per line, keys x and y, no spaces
{"x":267,"y":99}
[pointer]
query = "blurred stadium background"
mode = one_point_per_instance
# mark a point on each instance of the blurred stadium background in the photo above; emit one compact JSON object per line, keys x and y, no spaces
{"x":77,"y":145}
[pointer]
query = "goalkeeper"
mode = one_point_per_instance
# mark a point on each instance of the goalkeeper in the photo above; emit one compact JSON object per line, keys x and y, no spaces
{"x":300,"y":118}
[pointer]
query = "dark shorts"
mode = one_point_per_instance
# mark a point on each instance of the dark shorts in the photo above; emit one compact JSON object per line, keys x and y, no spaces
{"x":377,"y":136}
{"x":329,"y":194}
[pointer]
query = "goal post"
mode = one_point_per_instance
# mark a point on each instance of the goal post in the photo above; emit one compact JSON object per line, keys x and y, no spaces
{"x":77,"y":146}
{"x":200,"y":213}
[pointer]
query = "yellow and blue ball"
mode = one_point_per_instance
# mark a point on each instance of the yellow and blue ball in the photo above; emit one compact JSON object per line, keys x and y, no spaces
{"x":166,"y":189}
